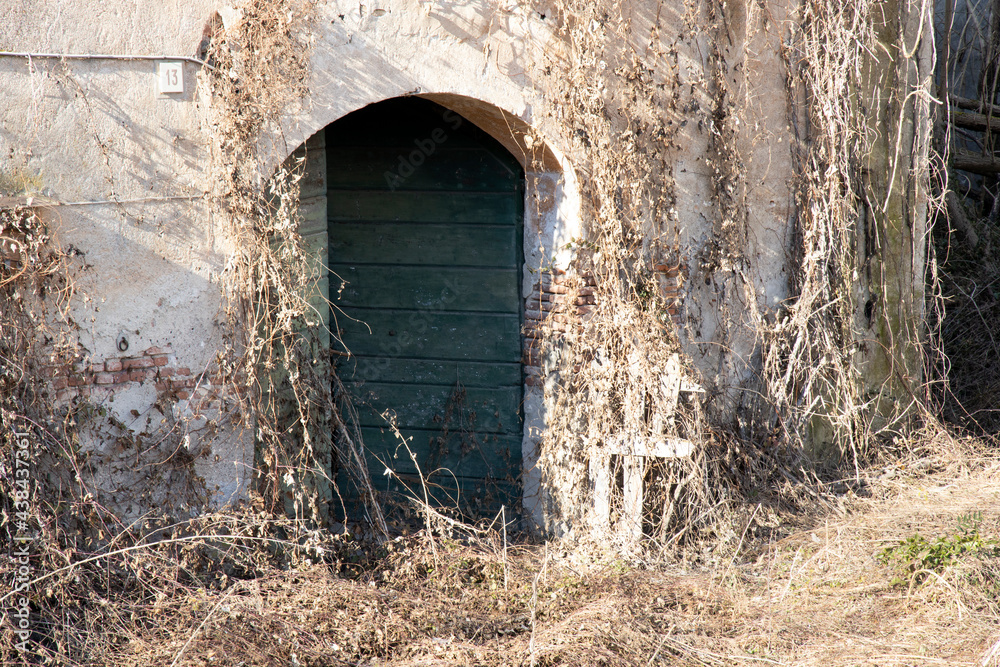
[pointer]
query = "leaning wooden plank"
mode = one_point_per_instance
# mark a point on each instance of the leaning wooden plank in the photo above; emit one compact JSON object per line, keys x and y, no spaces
{"x":633,"y":471}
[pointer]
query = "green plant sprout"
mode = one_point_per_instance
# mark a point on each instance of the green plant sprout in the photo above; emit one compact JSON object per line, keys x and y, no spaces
{"x":916,"y":557}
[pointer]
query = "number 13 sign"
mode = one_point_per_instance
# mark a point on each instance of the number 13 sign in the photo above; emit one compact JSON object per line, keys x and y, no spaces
{"x":171,"y":77}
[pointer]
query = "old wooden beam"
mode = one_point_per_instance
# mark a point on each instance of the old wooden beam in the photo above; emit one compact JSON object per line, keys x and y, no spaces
{"x":979,"y":116}
{"x":974,"y":105}
{"x":971,"y":120}
{"x":975,"y":162}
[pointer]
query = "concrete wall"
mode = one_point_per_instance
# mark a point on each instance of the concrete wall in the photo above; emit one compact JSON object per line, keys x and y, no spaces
{"x":129,"y":167}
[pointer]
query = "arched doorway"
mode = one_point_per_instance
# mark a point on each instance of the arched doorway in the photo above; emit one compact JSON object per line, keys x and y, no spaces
{"x":425,"y":253}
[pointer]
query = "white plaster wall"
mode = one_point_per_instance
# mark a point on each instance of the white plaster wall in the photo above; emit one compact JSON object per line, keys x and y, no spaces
{"x":722,"y":293}
{"x":411,"y":48}
{"x":132,"y":165}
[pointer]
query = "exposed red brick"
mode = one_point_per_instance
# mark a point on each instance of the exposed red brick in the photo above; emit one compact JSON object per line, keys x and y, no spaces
{"x":139,"y":375}
{"x":161,"y":386}
{"x":563,"y":299}
{"x":184,"y":370}
{"x":560,"y":327}
{"x":113,"y":365}
{"x":141,"y":362}
{"x":60,"y":383}
{"x":151,"y":351}
{"x":160,"y":360}
{"x":77,"y":381}
{"x":166,"y":372}
{"x":121,"y":377}
{"x":666,"y":268}
{"x":84,"y":392}
{"x":561,"y":317}
{"x":182,"y":395}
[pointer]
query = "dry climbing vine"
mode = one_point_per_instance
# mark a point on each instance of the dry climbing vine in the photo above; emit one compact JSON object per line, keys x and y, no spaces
{"x":822,"y":358}
{"x":622,"y":103}
{"x":261,"y":68}
{"x":810,"y":387}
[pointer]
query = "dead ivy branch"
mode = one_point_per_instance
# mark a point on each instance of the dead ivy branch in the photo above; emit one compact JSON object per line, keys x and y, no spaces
{"x":830,"y":381}
{"x":811,"y":365}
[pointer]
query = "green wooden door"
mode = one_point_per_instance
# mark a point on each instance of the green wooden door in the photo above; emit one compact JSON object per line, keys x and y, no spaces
{"x":426,"y":215}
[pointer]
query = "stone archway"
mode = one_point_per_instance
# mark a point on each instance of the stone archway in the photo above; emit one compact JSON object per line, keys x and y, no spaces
{"x":360,"y":59}
{"x":547,"y":221}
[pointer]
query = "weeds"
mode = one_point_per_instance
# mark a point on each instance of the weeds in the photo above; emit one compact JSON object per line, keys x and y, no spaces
{"x":621,"y":106}
{"x":809,"y":390}
{"x":916,"y":557}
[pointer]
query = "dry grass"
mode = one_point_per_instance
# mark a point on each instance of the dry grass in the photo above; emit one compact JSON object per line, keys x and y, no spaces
{"x":822,"y":596}
{"x":807,"y":589}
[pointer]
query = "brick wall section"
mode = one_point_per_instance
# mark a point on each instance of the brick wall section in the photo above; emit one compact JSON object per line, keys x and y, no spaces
{"x":561,"y":302}
{"x":155,"y":364}
{"x":669,"y":279}
{"x":558,"y":302}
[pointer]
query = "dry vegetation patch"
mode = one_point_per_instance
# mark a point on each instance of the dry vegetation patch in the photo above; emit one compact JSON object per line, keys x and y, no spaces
{"x":820,"y":593}
{"x":827,"y":596}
